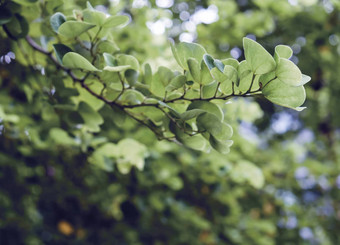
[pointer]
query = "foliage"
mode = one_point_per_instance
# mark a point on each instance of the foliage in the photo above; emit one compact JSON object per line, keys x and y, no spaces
{"x":110,"y":135}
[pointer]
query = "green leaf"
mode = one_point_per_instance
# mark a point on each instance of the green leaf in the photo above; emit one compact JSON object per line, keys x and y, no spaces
{"x":94,"y":17}
{"x":72,"y":29}
{"x":194,"y":69}
{"x":76,"y":61}
{"x":258,"y":59}
{"x":91,"y":117}
{"x":61,"y":137}
{"x":132,"y":97}
{"x":128,"y":153}
{"x":219,"y":65}
{"x":245,"y":171}
{"x":130,"y":60}
{"x":305,"y":79}
{"x":57,"y":20}
{"x":196,"y":142}
{"x":164,"y":75}
{"x":218,"y":75}
{"x":230,"y":72}
{"x":183,"y":51}
{"x":288,"y":72}
{"x":176,"y":83}
{"x":206,"y":77}
{"x":116,"y":21}
{"x":285,"y":95}
{"x":218,"y":129}
{"x":116,"y":68}
{"x":265,"y":78}
{"x":106,"y":46}
{"x":209,"y":61}
{"x":60,"y":51}
{"x":131,"y":76}
{"x":147,"y":74}
{"x":103,"y":156}
{"x":208,"y":107}
{"x":109,"y":59}
{"x":222,"y":146}
{"x":190,"y":114}
{"x":245,"y":76}
{"x":209,"y":90}
{"x":232,"y":62}
{"x":282,"y":51}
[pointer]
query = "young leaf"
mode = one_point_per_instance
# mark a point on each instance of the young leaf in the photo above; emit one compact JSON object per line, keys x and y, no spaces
{"x":57,"y":20}
{"x":258,"y":59}
{"x":282,"y":51}
{"x":76,"y":61}
{"x":73,"y":29}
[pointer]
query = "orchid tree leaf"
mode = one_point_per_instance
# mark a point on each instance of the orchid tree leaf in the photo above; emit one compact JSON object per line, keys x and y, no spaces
{"x":183,"y":51}
{"x":116,"y":21}
{"x":194,"y":69}
{"x":282,"y":51}
{"x":288,"y":72}
{"x":76,"y":61}
{"x":72,"y":29}
{"x":258,"y":59}
{"x":282,"y":94}
{"x":176,"y":83}
{"x":208,"y":107}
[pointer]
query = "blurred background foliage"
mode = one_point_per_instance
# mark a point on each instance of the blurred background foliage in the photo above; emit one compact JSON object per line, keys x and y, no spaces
{"x":280,"y":184}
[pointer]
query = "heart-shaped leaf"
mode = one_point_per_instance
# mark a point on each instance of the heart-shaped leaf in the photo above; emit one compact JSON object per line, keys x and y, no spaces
{"x":76,"y":61}
{"x":72,"y":29}
{"x":282,"y":94}
{"x":288,"y":72}
{"x":258,"y":59}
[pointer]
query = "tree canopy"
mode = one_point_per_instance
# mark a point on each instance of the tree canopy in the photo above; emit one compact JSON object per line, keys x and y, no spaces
{"x":169,"y":122}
